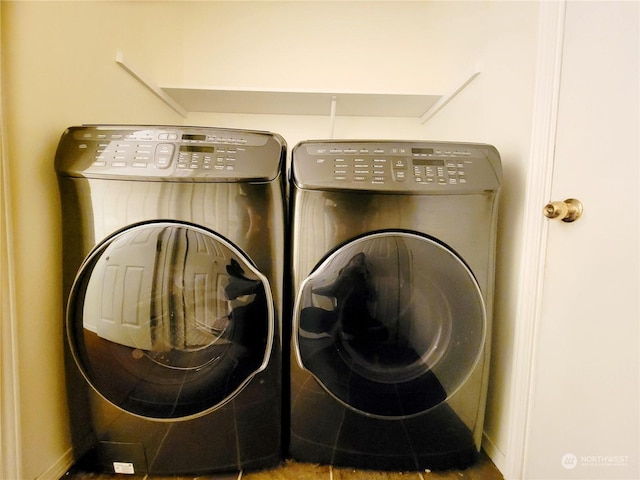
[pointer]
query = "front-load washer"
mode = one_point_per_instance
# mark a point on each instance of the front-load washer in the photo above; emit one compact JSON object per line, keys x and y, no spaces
{"x":173,"y":270}
{"x":393,"y":247}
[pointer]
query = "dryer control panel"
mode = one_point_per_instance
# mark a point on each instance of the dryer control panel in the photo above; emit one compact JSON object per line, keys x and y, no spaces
{"x":170,"y":153}
{"x":396,"y":166}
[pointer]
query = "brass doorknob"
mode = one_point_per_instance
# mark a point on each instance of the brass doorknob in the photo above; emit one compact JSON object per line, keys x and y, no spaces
{"x":568,"y":211}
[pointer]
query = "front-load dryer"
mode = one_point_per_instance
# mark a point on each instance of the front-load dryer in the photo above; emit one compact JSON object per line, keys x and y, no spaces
{"x":173,"y":270}
{"x":393,"y":247}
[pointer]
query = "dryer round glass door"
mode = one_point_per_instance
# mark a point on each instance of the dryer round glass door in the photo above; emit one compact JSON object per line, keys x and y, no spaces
{"x":169,"y":320}
{"x":391,"y":323}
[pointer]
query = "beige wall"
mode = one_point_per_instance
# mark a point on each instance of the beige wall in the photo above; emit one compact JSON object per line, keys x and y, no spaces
{"x":59,"y":70}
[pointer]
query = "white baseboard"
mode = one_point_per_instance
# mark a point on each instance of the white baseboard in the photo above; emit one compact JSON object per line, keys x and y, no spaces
{"x":59,"y":468}
{"x":68,"y":458}
{"x":496,"y":455}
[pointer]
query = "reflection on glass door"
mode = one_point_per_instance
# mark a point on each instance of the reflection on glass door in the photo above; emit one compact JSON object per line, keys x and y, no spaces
{"x":170,"y":318}
{"x":391,"y":323}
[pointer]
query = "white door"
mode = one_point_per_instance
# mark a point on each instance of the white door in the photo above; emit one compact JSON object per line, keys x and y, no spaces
{"x":584,"y":419}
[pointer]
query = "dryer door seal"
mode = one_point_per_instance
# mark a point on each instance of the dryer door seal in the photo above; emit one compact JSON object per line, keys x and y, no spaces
{"x":169,"y":320}
{"x":391,"y":324}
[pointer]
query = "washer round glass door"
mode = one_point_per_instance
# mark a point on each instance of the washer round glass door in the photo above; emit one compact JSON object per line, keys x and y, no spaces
{"x":391,"y":324}
{"x":169,"y":320}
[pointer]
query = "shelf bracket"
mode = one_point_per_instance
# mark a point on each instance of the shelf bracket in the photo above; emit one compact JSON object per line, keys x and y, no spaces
{"x":440,"y":104}
{"x":134,"y":72}
{"x":334,"y":104}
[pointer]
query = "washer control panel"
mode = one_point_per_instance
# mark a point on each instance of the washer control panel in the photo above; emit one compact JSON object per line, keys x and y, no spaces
{"x":396,"y":166}
{"x":169,"y":153}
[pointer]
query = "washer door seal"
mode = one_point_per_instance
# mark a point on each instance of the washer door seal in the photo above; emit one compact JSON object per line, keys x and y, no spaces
{"x":169,"y":320}
{"x":391,"y":323}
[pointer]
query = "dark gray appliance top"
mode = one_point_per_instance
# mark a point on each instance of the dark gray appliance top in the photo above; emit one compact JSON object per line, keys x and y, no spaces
{"x":169,"y":153}
{"x":396,"y":166}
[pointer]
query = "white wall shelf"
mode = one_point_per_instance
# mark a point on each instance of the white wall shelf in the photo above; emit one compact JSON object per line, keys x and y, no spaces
{"x":231,"y":100}
{"x":185,"y":99}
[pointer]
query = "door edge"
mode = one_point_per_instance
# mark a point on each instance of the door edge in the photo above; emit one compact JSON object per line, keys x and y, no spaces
{"x":533,"y":252}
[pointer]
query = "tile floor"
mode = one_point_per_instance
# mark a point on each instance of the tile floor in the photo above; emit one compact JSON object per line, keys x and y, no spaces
{"x":484,"y":469}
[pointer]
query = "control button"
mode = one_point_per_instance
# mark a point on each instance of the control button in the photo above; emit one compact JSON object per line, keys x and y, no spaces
{"x":399,"y":175}
{"x":139,"y":164}
{"x":399,"y":164}
{"x":163,"y":155}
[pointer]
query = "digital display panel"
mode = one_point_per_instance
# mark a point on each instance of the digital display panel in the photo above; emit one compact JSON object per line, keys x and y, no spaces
{"x":421,"y":162}
{"x":189,"y":136}
{"x":196,"y":149}
{"x":422,"y":151}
